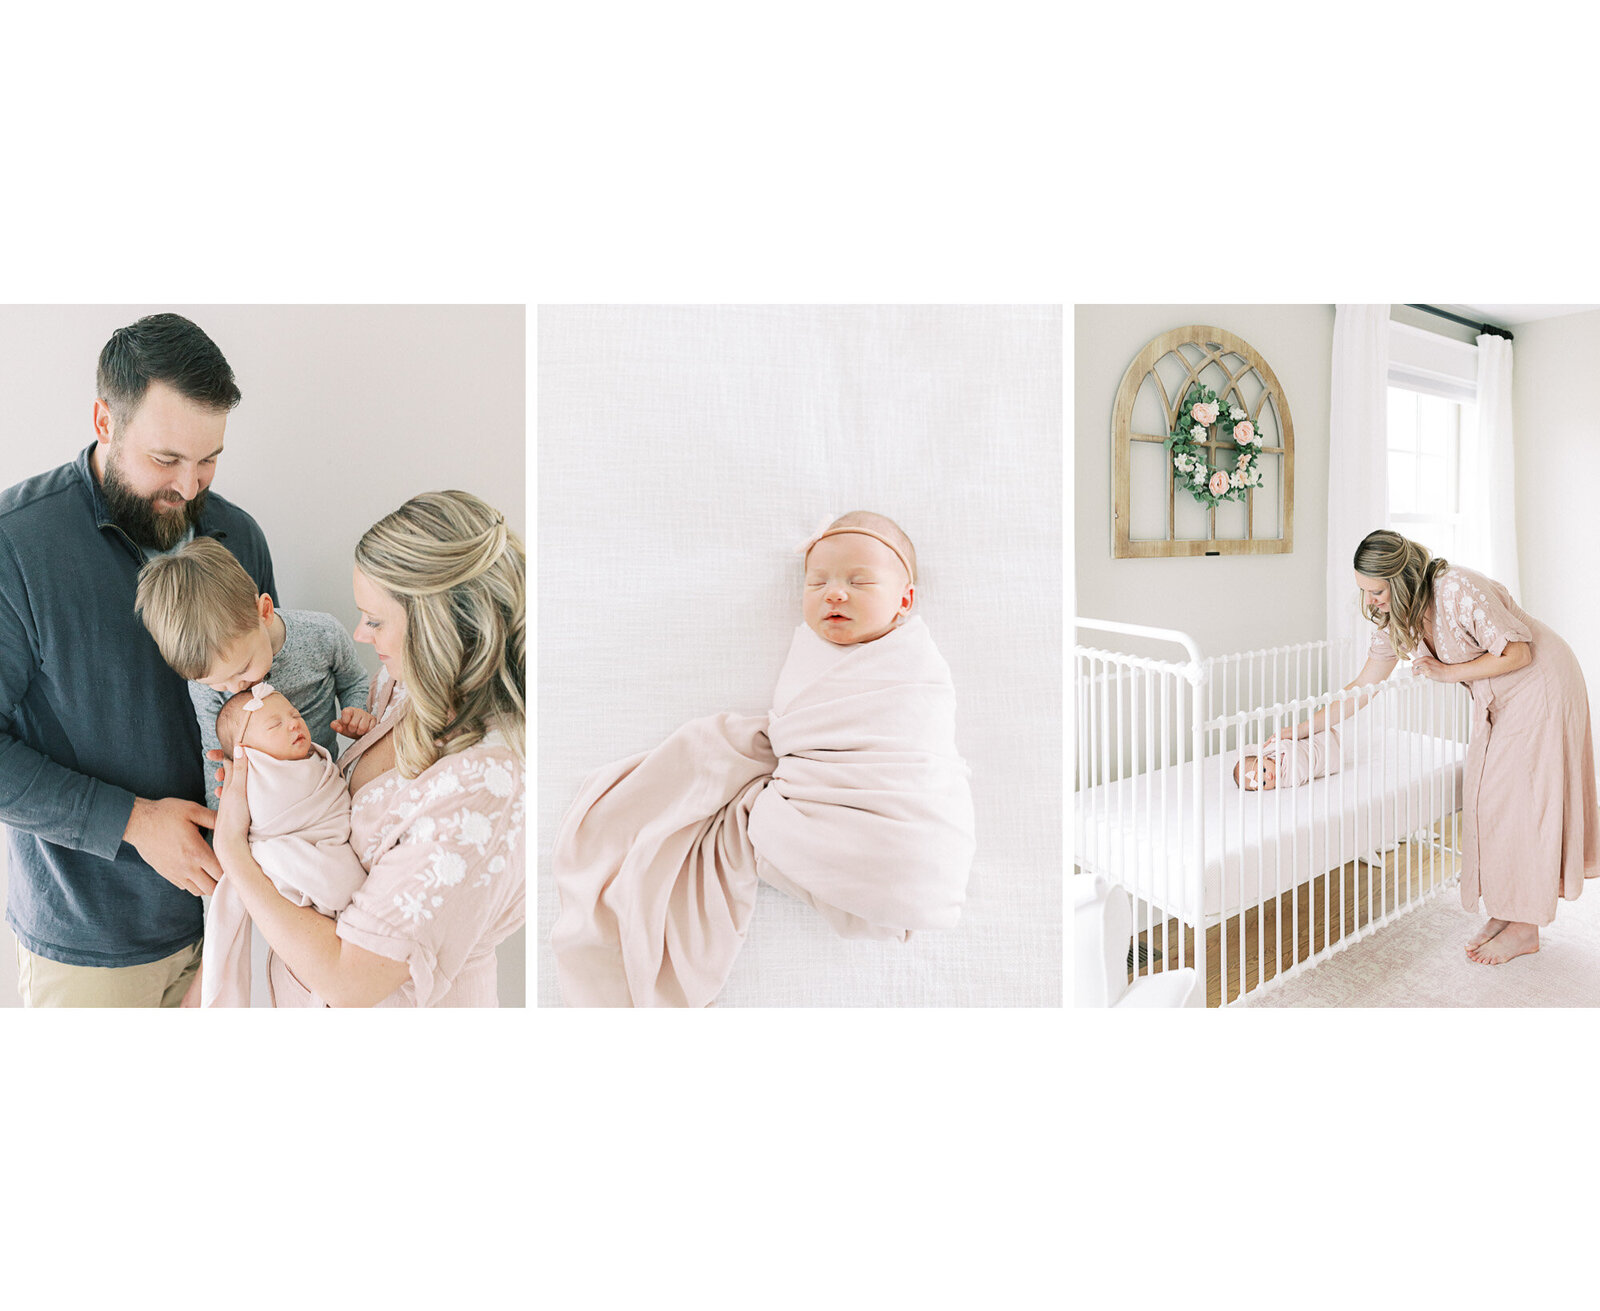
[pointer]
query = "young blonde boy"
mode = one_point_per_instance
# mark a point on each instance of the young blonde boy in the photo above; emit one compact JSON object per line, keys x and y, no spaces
{"x":214,"y":629}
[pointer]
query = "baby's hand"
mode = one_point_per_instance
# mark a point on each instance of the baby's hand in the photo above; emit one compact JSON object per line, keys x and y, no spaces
{"x":354,"y":722}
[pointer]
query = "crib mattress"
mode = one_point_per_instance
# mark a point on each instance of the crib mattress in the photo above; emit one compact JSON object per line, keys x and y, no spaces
{"x":1258,"y":844}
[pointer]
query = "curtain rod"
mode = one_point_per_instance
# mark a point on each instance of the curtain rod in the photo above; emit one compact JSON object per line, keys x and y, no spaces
{"x":1456,"y":318}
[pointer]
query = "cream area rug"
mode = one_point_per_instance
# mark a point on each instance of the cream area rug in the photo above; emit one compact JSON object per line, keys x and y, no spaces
{"x":1418,"y":960}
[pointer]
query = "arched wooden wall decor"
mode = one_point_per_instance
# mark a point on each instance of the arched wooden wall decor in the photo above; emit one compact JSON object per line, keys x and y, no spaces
{"x":1158,"y":380}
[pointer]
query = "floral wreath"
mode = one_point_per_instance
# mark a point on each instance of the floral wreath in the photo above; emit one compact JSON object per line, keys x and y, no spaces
{"x":1201,"y":410}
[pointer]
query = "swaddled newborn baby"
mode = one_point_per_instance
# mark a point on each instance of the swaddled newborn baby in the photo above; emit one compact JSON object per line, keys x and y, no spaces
{"x":861,"y":575}
{"x":849,"y":795}
{"x":1289,"y":763}
{"x":299,"y":833}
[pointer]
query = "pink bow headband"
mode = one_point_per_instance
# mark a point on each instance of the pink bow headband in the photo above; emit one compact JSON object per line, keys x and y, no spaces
{"x":258,"y":696}
{"x":804,"y":549}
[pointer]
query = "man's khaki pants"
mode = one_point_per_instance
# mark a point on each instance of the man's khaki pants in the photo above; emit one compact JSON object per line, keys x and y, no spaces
{"x":159,"y":983}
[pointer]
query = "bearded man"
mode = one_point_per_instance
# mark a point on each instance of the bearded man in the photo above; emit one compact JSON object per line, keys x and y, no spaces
{"x":101,"y":794}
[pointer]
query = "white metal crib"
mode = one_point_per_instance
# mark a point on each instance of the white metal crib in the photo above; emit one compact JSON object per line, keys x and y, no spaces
{"x":1158,"y":811}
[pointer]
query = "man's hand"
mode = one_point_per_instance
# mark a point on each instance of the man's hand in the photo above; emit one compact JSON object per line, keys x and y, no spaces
{"x":167,"y":834}
{"x":354,"y":722}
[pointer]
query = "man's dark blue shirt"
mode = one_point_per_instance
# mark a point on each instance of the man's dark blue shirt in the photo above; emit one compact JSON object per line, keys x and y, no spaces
{"x":90,"y":718}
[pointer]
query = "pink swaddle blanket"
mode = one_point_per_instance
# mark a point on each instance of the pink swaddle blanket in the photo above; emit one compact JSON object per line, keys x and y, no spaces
{"x":849,"y":795}
{"x":300,"y":836}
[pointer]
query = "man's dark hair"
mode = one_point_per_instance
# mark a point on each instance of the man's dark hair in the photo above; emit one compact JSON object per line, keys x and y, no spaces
{"x":163,"y":348}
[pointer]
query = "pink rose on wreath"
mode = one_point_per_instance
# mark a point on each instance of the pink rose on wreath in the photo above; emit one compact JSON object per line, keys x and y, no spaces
{"x":1219,"y":483}
{"x":1244,"y":432}
{"x":1204,"y":412}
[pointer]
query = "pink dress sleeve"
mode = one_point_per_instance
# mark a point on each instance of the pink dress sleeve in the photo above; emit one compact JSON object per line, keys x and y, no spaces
{"x":1382,"y":648}
{"x":446,"y":872}
{"x":1480,"y":612}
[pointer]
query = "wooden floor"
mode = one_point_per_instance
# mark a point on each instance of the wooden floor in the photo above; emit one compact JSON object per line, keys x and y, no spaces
{"x":1407,"y":874}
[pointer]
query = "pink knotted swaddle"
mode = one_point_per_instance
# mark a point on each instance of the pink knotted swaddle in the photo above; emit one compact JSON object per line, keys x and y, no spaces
{"x":850,"y":796}
{"x":300,"y":836}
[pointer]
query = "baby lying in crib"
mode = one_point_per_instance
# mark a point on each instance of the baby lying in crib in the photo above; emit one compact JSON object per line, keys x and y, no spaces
{"x":849,"y":795}
{"x":299,"y":832}
{"x":1289,"y":762}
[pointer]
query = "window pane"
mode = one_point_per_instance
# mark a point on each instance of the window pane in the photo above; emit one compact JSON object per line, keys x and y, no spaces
{"x":1469,"y":434}
{"x":1402,"y":419}
{"x":1439,"y":538}
{"x":1402,"y":483}
{"x":1431,"y":489}
{"x":1436,"y":424}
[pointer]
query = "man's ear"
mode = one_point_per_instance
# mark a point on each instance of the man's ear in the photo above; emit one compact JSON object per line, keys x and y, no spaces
{"x":102,"y":421}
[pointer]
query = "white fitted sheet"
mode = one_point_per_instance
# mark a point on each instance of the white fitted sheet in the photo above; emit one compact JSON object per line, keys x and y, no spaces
{"x":1260,"y":843}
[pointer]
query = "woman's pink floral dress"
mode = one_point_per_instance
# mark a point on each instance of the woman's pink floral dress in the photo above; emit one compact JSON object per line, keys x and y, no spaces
{"x":1530,"y":822}
{"x":445,"y":868}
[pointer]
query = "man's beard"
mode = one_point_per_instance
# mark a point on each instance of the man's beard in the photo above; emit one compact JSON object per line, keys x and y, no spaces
{"x":137,"y":515}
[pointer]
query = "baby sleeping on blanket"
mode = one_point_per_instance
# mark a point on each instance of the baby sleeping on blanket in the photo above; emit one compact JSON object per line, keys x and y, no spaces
{"x":849,"y":795}
{"x":299,"y":833}
{"x":1284,"y":762}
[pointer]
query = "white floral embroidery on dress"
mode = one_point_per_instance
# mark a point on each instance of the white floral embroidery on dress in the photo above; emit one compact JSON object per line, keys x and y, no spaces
{"x":475,"y":829}
{"x":411,"y":907}
{"x":445,"y":785}
{"x":447,"y":870}
{"x":478,"y":837}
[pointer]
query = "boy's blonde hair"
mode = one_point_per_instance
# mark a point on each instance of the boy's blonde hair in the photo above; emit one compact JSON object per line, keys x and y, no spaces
{"x":196,"y":603}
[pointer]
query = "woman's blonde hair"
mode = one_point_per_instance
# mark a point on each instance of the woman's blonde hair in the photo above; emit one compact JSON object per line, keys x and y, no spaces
{"x":457,"y":571}
{"x":1410,"y":571}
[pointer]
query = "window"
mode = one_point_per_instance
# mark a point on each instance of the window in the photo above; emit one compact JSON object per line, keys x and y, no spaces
{"x":1427,"y":434}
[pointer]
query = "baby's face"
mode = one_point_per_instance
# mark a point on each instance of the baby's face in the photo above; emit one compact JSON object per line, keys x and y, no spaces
{"x":1259,"y":773}
{"x":245,"y":663}
{"x":278,"y":730}
{"x":855,"y":589}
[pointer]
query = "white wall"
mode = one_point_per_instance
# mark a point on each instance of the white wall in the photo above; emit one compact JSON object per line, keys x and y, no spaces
{"x":1227,"y":603}
{"x":347,"y":412}
{"x":1556,"y":435}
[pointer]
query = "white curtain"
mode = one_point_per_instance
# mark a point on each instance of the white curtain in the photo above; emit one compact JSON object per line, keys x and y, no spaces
{"x":1358,"y":467}
{"x":1489,"y":530}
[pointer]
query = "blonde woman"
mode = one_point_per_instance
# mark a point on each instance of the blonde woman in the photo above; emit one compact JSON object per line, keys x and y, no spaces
{"x":1530,"y":826}
{"x":436,"y":779}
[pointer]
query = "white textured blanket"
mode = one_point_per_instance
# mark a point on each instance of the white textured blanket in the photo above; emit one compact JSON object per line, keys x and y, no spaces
{"x":300,"y":836}
{"x":849,"y":795}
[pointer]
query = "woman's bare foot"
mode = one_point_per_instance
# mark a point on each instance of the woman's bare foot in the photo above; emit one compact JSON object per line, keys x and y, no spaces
{"x":1491,"y":928}
{"x":1513,"y":940}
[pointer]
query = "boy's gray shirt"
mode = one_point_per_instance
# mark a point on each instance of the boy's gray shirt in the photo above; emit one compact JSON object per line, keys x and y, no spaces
{"x":316,"y":670}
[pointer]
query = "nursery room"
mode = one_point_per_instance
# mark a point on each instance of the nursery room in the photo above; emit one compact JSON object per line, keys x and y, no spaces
{"x":1334,"y":656}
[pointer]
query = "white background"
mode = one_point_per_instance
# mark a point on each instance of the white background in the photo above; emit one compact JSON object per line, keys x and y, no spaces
{"x":346,"y":413}
{"x":860,"y":153}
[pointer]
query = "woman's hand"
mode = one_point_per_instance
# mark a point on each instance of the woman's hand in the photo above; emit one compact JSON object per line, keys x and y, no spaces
{"x":353,"y":722}
{"x":1289,"y":733}
{"x":232,"y":833}
{"x":222,"y":770}
{"x":1428,"y":667}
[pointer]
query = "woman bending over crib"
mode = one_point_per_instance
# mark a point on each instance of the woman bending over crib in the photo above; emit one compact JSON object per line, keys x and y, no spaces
{"x":1529,"y":819}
